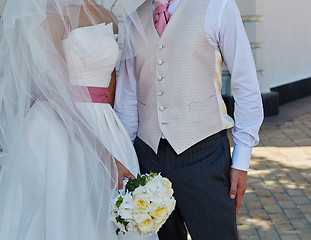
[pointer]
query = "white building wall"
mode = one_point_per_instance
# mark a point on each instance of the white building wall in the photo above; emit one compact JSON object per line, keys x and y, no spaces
{"x":281,"y":39}
{"x":286,"y":42}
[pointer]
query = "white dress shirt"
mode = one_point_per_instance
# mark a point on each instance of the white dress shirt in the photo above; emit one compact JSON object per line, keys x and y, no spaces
{"x":224,"y":29}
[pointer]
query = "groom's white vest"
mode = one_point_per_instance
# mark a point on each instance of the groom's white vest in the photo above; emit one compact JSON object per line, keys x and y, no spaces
{"x":179,"y":80}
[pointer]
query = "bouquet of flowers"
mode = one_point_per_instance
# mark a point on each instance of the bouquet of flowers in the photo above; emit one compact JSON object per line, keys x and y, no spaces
{"x":144,"y":206}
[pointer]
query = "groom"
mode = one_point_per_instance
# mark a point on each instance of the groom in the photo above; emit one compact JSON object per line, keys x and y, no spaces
{"x":169,"y":98}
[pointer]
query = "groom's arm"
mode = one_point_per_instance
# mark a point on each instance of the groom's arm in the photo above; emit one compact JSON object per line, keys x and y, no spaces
{"x":125,"y":104}
{"x":248,"y":111}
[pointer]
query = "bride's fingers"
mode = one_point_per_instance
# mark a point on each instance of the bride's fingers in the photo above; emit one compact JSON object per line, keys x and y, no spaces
{"x":126,"y":174}
{"x":123,"y":172}
{"x":129,"y":175}
{"x":120,"y":182}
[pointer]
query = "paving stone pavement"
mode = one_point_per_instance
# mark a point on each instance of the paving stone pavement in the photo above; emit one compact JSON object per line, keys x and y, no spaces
{"x":277,"y":203}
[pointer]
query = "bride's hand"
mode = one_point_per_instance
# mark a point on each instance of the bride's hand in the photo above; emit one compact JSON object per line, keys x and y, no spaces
{"x":123,"y":172}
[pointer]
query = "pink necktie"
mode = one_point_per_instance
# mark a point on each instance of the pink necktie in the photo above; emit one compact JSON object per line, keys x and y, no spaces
{"x":161,"y":15}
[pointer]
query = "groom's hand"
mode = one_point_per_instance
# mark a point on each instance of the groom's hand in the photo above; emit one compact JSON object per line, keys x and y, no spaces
{"x":238,"y":186}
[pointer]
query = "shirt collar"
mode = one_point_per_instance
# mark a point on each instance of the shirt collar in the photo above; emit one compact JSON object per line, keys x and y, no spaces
{"x":172,"y":7}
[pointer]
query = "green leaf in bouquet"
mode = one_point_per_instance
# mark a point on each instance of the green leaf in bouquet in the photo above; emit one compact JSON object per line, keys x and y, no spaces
{"x":130,"y":185}
{"x":121,"y":220}
{"x":141,"y":180}
{"x":119,"y":202}
{"x":152,"y":174}
{"x":125,"y":224}
{"x":119,"y":230}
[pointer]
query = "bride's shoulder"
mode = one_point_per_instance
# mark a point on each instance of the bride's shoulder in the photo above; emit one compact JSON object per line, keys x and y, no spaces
{"x":109,"y":17}
{"x":103,"y":15}
{"x":56,"y":25}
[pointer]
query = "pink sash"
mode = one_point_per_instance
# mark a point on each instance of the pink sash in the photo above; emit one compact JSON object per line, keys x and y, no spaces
{"x":82,"y":94}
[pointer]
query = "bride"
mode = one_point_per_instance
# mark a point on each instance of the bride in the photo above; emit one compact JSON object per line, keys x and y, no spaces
{"x":64,"y":151}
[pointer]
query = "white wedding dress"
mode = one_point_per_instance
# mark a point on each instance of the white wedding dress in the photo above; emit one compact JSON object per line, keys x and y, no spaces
{"x":91,"y":54}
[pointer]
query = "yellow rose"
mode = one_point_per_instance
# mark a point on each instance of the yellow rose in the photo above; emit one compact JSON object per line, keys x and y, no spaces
{"x":160,"y":212}
{"x":140,"y":203}
{"x":146,"y":226}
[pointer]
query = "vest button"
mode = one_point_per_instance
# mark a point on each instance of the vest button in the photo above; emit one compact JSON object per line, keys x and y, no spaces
{"x":160,"y":62}
{"x":159,"y":78}
{"x":160,"y":47}
{"x":160,"y":94}
{"x":161,"y":108}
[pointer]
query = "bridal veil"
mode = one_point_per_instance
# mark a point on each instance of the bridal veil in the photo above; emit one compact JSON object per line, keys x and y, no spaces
{"x":32,"y":66}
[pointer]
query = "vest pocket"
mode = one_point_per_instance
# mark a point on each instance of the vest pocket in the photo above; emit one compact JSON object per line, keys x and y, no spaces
{"x":204,"y":110}
{"x":203,"y":105}
{"x":141,"y":103}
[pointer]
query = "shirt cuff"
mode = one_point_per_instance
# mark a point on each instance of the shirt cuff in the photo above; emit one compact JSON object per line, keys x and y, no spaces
{"x":241,"y":157}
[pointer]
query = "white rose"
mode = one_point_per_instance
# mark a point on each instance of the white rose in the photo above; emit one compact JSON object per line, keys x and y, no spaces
{"x":155,"y":186}
{"x":158,"y":178}
{"x":160,"y":200}
{"x":125,"y":213}
{"x":139,"y":191}
{"x":170,"y":204}
{"x":127,"y":201}
{"x":131,"y":227}
{"x":126,"y":207}
{"x":140,"y":217}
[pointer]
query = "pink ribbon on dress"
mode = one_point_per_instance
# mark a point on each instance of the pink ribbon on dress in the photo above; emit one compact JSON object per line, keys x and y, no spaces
{"x":161,"y":15}
{"x":84,"y":93}
{"x":97,"y":94}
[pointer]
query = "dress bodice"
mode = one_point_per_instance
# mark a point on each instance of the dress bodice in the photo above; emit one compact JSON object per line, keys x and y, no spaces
{"x":91,"y":53}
